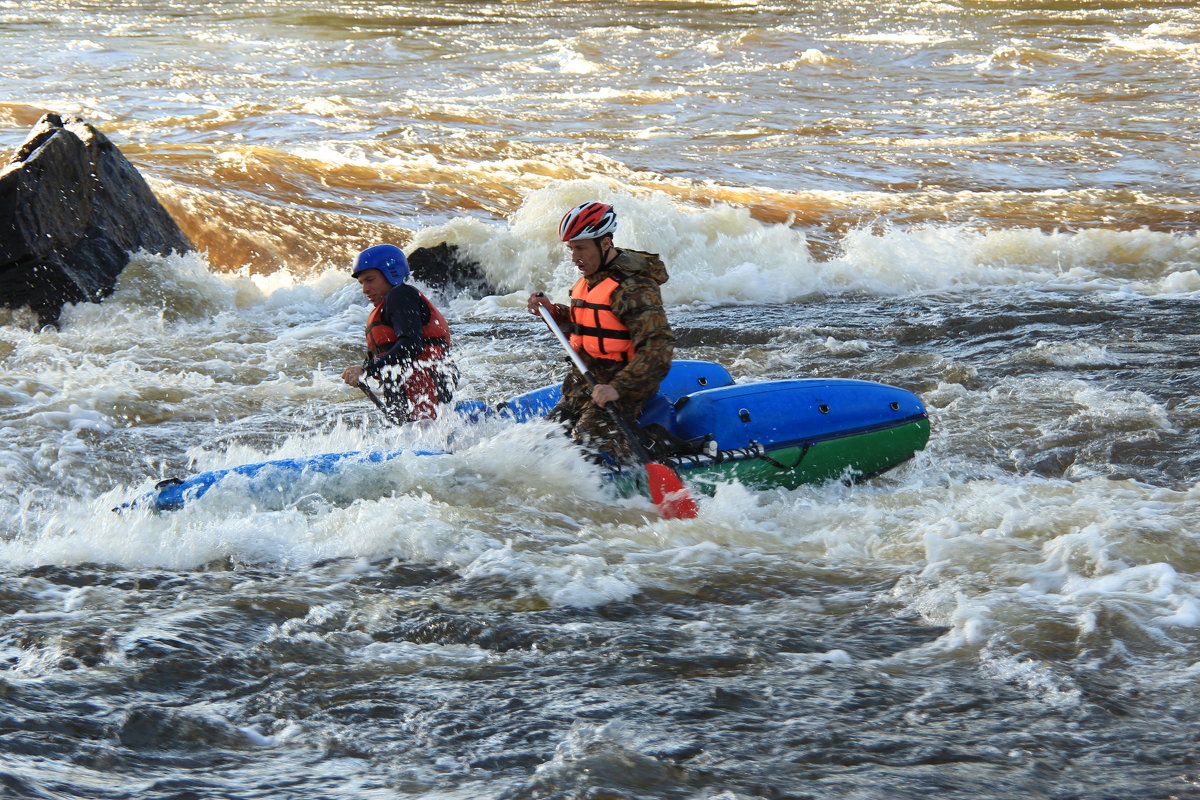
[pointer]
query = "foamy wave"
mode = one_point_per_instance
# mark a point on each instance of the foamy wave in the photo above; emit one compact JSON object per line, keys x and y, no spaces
{"x":933,"y":258}
{"x":1093,"y":562}
{"x":721,"y":254}
{"x":1022,"y":59}
{"x":898,"y":37}
{"x":1072,"y":354}
{"x":1153,"y":42}
{"x":571,"y":62}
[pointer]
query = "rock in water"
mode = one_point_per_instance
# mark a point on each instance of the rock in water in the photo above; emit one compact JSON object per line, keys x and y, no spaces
{"x":72,"y":210}
{"x":446,"y":270}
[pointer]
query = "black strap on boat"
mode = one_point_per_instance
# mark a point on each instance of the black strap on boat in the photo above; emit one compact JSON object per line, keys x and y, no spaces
{"x":778,"y":464}
{"x":754,"y":450}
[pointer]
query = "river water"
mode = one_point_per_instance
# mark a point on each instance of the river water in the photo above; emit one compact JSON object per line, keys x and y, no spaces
{"x":992,"y":204}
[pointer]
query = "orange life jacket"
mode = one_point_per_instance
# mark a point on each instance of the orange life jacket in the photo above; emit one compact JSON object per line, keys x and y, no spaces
{"x":597,"y":331}
{"x":435,"y":334}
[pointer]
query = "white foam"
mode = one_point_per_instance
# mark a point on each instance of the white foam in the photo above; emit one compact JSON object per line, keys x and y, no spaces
{"x":569,"y":61}
{"x":720,"y":254}
{"x":1073,"y":354}
{"x":410,"y":655}
{"x":986,"y":555}
{"x":1036,"y":677}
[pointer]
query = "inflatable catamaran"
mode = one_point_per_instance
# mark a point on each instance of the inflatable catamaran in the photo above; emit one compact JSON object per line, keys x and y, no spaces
{"x":701,"y":423}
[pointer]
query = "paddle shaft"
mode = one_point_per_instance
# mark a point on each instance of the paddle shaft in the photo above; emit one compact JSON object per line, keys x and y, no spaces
{"x":374,"y":398}
{"x":622,"y":424}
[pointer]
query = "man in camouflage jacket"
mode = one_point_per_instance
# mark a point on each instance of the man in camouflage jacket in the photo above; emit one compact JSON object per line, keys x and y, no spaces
{"x":637,"y":304}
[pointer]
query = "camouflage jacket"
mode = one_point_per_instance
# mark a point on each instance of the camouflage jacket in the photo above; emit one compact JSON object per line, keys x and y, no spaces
{"x":637,"y":303}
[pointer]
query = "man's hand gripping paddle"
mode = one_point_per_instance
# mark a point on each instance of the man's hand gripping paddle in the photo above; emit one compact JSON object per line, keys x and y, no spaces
{"x":666,"y":489}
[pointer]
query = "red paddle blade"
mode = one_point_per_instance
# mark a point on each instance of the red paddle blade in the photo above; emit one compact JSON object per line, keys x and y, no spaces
{"x":669,"y":493}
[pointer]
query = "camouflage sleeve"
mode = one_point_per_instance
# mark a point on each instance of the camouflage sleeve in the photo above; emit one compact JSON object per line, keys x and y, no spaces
{"x":638,"y":304}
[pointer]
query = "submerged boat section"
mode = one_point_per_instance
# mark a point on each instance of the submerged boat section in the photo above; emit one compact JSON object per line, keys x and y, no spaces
{"x":701,"y":423}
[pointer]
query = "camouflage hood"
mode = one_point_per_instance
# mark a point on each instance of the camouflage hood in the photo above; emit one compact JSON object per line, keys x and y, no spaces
{"x":635,"y":262}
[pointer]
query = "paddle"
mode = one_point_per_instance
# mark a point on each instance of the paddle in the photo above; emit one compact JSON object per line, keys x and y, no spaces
{"x":374,"y":398}
{"x":666,"y":489}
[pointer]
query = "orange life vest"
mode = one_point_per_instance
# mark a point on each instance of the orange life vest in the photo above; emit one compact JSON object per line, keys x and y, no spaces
{"x":435,"y":334}
{"x":597,"y":331}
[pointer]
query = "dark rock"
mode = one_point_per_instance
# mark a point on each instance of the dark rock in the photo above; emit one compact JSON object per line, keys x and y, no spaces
{"x":72,"y":211}
{"x":150,"y":727}
{"x":443,"y":269}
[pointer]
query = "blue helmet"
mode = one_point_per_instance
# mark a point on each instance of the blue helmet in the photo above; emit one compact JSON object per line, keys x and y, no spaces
{"x":387,"y":258}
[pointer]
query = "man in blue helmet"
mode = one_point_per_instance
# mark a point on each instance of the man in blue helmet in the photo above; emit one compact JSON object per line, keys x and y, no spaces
{"x":408,"y":340}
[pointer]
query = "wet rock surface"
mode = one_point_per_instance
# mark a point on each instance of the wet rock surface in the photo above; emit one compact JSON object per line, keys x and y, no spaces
{"x":72,"y":210}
